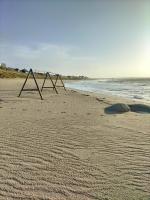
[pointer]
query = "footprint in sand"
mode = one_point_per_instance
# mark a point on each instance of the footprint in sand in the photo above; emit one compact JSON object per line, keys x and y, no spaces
{"x":13,"y":108}
{"x":98,"y":99}
{"x":87,"y":95}
{"x":88,"y":113}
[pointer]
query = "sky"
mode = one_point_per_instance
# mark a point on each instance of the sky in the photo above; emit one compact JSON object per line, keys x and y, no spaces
{"x":94,"y":38}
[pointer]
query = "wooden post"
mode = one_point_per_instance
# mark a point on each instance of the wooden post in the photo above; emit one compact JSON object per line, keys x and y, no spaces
{"x":38,"y":89}
{"x":47,"y":75}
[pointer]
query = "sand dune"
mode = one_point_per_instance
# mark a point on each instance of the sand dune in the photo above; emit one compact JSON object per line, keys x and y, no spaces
{"x":67,"y":148}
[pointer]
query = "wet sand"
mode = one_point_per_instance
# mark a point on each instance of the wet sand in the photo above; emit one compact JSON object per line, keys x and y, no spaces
{"x":66,"y":148}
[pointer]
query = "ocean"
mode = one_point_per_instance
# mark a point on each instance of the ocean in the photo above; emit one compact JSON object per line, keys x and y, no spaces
{"x":130,"y":88}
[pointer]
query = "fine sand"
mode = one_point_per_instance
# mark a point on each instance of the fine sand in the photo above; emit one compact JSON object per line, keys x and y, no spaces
{"x":66,"y":148}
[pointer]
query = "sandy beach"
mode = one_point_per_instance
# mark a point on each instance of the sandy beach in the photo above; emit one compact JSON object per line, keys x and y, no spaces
{"x":67,"y":148}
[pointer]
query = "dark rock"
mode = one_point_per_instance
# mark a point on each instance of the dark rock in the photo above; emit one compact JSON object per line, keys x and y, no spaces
{"x":140,"y":108}
{"x":117,"y":108}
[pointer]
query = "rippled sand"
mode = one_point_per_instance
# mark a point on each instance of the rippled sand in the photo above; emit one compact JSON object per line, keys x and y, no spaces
{"x":67,"y":148}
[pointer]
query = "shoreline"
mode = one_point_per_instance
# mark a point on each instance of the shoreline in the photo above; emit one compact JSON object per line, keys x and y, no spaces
{"x":115,"y":97}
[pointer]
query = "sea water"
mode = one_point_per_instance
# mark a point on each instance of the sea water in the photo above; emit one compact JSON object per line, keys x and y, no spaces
{"x":131,"y":88}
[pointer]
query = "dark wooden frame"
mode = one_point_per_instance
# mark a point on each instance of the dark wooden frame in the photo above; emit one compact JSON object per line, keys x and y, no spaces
{"x":58,"y":76}
{"x":37,"y":89}
{"x":47,"y":75}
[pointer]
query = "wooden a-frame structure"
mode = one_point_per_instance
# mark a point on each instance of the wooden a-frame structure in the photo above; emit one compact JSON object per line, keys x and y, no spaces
{"x":54,"y":82}
{"x":48,"y":75}
{"x":37,"y":87}
{"x":58,"y":77}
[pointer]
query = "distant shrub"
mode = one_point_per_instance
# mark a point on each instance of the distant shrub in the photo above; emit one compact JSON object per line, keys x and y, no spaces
{"x":16,"y":69}
{"x":24,"y":70}
{"x":3,"y":66}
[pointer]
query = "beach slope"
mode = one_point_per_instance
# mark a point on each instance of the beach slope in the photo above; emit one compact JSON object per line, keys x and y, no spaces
{"x":67,"y":148}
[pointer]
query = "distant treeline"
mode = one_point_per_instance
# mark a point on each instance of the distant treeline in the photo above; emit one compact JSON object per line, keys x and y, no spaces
{"x":9,"y":72}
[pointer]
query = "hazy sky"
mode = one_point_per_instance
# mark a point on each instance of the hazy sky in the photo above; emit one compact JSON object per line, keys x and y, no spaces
{"x":97,"y":38}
